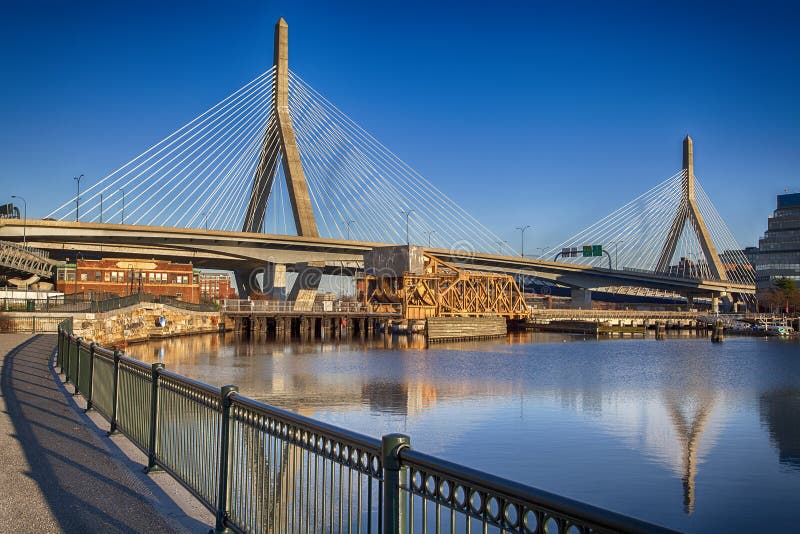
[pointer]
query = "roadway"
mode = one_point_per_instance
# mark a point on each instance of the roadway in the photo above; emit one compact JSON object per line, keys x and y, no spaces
{"x":242,"y":251}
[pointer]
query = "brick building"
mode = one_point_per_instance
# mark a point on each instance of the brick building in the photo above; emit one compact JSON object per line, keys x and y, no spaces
{"x":215,"y":287}
{"x":98,"y":279}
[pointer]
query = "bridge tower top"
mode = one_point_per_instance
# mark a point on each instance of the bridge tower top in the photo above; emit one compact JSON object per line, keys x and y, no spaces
{"x":688,"y":166}
{"x":280,"y":144}
{"x":688,"y":211}
{"x":281,"y":62}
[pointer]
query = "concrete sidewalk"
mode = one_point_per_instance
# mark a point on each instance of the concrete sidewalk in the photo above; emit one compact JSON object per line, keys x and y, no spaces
{"x":58,"y":473}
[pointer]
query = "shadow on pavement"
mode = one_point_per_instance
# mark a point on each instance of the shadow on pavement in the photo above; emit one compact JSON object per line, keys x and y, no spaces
{"x":86,"y":488}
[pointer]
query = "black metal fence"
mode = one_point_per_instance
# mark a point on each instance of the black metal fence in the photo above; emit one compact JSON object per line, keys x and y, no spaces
{"x":263,"y":469}
{"x":30,"y":324}
{"x":73,"y":304}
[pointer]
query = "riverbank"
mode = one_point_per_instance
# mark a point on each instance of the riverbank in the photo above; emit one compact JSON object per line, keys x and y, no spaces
{"x":62,"y":473}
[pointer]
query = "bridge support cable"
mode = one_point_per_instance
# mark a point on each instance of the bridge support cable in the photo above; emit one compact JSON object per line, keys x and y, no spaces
{"x":348,"y":159}
{"x":209,"y":160}
{"x":223,"y":158}
{"x":638,"y":234}
{"x":207,"y":146}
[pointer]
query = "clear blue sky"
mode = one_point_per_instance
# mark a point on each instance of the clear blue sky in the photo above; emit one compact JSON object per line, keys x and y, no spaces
{"x":550,"y":114}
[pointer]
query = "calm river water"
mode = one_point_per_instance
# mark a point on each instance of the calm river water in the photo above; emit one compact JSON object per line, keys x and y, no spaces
{"x":689,"y":434}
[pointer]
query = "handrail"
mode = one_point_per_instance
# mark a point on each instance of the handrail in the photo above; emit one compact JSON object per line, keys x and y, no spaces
{"x":244,"y":459}
{"x":320,"y":308}
{"x":525,"y":498}
{"x":361,"y":441}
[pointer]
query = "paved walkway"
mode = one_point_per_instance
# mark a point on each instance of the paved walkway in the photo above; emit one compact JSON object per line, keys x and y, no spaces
{"x":57,"y":474}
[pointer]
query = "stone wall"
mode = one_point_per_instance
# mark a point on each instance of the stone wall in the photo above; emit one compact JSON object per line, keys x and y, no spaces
{"x":140,"y":322}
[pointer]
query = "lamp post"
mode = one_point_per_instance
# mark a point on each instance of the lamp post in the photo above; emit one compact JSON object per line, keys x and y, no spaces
{"x":616,"y":253}
{"x":541,"y":250}
{"x":101,"y":207}
{"x":206,"y":218}
{"x":78,"y":198}
{"x":430,"y":233}
{"x":123,"y":204}
{"x":347,"y":223}
{"x":75,"y":293}
{"x":407,"y":214}
{"x":25,"y":219}
{"x":522,"y":231}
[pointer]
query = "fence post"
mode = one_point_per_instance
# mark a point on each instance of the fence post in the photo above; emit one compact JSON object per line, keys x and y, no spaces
{"x":114,"y":395}
{"x":395,"y":501}
{"x":91,"y":377}
{"x":77,"y":366}
{"x":65,"y":370}
{"x":224,"y":459}
{"x":60,"y":354}
{"x":151,"y":449}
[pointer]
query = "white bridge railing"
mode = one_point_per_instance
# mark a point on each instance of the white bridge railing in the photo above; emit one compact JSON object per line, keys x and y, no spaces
{"x":336,"y":307}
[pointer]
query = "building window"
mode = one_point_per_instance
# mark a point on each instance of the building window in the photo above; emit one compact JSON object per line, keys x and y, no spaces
{"x":84,"y":277}
{"x":97,"y":276}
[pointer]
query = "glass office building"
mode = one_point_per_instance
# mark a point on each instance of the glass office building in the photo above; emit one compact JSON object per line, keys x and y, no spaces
{"x":779,"y":249}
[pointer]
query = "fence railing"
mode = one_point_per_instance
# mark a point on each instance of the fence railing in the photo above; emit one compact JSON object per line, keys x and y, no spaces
{"x":259,"y":468}
{"x":321,"y":308}
{"x":72,"y":304}
{"x":29,"y":324}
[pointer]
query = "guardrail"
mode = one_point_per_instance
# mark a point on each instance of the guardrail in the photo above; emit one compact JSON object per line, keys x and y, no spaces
{"x":69,"y":304}
{"x":30,"y":324}
{"x":25,"y":248}
{"x":321,"y":308}
{"x":259,"y":468}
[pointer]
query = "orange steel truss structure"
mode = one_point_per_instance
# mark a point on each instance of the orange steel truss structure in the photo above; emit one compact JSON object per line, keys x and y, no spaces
{"x":443,"y":290}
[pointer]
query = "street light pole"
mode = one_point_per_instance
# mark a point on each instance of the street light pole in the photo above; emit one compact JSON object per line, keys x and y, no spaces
{"x":348,"y":222}
{"x":101,"y":207}
{"x":206,"y":216}
{"x":78,"y":198}
{"x":430,"y":233}
{"x":123,"y":205}
{"x":75,"y":292}
{"x":407,"y":214}
{"x":616,"y":253}
{"x":25,"y":221}
{"x":541,"y":250}
{"x":522,"y":230}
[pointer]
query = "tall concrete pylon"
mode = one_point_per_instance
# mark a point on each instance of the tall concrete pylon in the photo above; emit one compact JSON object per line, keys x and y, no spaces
{"x":688,"y":210}
{"x":280,"y":141}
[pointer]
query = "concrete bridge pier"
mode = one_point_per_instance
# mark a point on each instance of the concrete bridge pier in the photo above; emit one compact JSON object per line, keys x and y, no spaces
{"x":273,"y":282}
{"x":581,"y":299}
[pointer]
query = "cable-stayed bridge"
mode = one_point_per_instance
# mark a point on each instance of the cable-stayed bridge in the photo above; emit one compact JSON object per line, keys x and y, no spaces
{"x":275,"y":173}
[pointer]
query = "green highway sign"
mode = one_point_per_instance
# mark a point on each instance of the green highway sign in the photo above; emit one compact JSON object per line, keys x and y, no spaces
{"x":590,"y":251}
